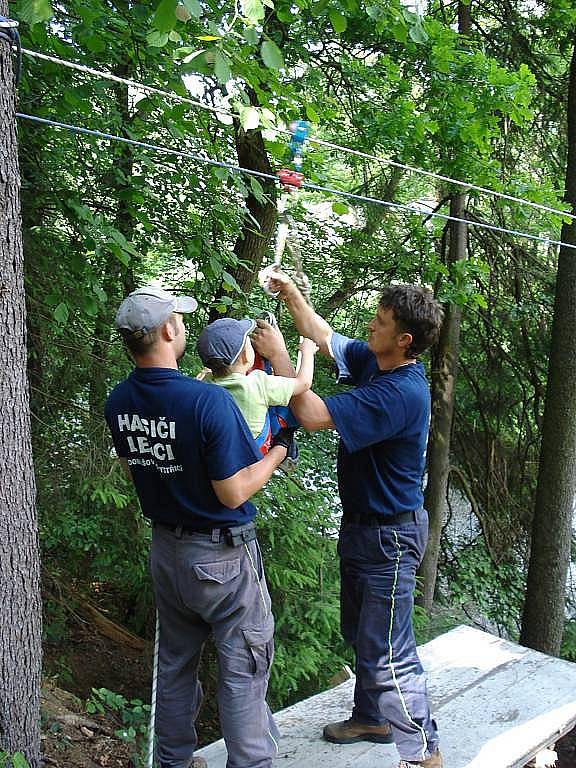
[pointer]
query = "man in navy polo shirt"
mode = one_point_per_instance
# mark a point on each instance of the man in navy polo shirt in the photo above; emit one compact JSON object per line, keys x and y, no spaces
{"x":383,"y":427}
{"x":195,"y":465}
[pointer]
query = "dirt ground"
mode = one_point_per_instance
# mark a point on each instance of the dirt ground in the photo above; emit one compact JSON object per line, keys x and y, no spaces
{"x":72,"y":738}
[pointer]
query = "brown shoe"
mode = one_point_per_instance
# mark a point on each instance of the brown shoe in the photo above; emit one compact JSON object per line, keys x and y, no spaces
{"x":434,"y":761}
{"x":350,"y":731}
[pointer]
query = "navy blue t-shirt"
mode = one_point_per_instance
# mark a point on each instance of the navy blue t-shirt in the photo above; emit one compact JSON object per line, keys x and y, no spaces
{"x":383,"y":426}
{"x":177,"y":435}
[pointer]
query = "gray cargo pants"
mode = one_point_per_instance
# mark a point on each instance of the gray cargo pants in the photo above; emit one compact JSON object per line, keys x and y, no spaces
{"x":202,"y":585}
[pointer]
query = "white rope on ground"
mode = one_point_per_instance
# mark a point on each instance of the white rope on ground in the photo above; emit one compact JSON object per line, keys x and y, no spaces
{"x":305,"y":185}
{"x":329,"y":145}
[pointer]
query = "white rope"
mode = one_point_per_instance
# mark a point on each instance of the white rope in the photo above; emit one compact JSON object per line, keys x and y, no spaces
{"x":150,"y":756}
{"x":319,"y":142}
{"x":305,"y":185}
{"x":440,"y":177}
{"x":124,"y":81}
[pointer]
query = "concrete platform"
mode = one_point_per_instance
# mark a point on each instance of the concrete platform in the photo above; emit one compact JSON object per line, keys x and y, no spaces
{"x":497,"y":705}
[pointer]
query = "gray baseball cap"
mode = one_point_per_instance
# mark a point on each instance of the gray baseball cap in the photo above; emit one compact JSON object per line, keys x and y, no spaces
{"x":223,"y":340}
{"x":147,"y":308}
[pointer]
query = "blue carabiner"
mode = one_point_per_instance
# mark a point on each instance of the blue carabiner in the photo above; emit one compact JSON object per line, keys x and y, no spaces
{"x":299,"y":130}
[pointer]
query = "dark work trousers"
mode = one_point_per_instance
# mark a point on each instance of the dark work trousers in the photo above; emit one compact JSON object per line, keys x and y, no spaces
{"x":378,"y":574}
{"x":202,"y":585}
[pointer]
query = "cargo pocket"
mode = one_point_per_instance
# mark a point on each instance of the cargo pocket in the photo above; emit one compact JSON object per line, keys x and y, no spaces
{"x":260,"y":643}
{"x":220,"y":572}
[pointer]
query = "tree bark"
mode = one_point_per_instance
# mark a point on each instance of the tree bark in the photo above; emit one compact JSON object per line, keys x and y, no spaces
{"x":20,"y":604}
{"x":543,"y":615}
{"x":444,"y":371}
{"x":260,"y":219}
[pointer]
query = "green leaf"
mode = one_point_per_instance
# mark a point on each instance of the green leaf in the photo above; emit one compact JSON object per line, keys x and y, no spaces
{"x":271,"y":55}
{"x":251,"y":36}
{"x":418,"y":33}
{"x":157,"y":39}
{"x":340,"y":208}
{"x":95,"y":44}
{"x":311,"y":114}
{"x":165,"y":17}
{"x":257,"y":189}
{"x":61,"y":313}
{"x":253,"y":10}
{"x":339,"y":22}
{"x":230,"y":282}
{"x":285,"y":15}
{"x":194,"y":7}
{"x":35,"y":11}
{"x":19,"y":761}
{"x":221,"y":67}
{"x":221,"y":173}
{"x":215,"y":265}
{"x":249,"y":118}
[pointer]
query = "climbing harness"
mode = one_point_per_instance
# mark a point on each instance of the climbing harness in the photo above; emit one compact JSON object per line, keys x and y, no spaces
{"x":9,"y":32}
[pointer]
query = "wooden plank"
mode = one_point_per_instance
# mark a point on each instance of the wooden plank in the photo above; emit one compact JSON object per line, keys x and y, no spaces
{"x":496,"y":703}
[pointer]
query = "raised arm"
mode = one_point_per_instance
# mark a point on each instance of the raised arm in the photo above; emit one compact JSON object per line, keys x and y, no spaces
{"x":305,"y":374}
{"x":306,"y":320}
{"x":234,"y":491}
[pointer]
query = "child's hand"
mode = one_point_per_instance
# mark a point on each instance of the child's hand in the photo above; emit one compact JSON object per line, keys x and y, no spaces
{"x":309,"y":346}
{"x":203,"y":373}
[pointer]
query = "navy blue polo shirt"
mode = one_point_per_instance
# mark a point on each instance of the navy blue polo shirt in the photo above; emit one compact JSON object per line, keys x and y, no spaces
{"x":383,"y":426}
{"x":178,"y":434}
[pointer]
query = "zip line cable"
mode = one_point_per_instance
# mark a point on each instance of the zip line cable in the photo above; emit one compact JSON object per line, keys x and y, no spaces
{"x":320,"y":142}
{"x":124,"y":81}
{"x":275,"y":179}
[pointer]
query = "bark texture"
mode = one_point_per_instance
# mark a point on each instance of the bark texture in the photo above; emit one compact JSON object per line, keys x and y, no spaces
{"x":543,"y":616}
{"x":20,"y":606}
{"x":260,"y":218}
{"x":444,"y":371}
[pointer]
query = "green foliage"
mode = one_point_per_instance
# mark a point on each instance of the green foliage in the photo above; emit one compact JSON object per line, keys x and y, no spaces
{"x":99,"y":218}
{"x":493,"y":591}
{"x":132,"y":716}
{"x":297,"y":531}
{"x":13,"y":760}
{"x":569,"y":641}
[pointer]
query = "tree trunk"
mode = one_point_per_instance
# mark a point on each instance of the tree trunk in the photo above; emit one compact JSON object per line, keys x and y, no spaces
{"x":260,"y":219}
{"x":543,"y":616}
{"x":20,"y":605}
{"x":444,"y":370}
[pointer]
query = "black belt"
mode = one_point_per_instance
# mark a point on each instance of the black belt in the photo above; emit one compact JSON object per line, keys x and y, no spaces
{"x":233,"y":535}
{"x":373,"y":520}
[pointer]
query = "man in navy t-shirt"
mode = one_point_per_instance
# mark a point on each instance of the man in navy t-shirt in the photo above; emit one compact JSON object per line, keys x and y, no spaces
{"x":383,"y":428}
{"x":195,"y":465}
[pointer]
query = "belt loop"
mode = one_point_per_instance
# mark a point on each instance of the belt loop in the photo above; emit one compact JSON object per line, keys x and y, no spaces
{"x":178,"y":531}
{"x":215,"y":535}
